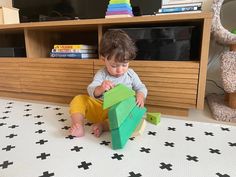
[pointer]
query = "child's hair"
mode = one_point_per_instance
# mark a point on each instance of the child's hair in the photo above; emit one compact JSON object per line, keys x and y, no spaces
{"x":117,"y":44}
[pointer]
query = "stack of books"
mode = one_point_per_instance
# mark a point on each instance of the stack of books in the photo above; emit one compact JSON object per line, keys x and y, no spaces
{"x":80,"y":51}
{"x":119,"y":8}
{"x":181,"y":7}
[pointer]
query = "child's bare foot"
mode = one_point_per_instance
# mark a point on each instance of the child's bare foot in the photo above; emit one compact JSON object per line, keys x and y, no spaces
{"x":77,"y":130}
{"x":97,"y":129}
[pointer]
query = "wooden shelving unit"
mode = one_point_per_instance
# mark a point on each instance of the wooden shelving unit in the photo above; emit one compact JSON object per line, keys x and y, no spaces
{"x":174,"y":86}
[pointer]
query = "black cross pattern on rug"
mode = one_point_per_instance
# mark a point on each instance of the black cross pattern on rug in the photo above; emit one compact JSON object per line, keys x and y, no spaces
{"x":27,"y":110}
{"x":43,"y":156}
{"x":6,"y":112}
{"x":46,"y":107}
{"x":13,"y":126}
{"x":5,"y":164}
{"x":147,"y":150}
{"x":70,"y":137}
{"x":106,"y":143}
{"x":40,"y":131}
{"x":4,"y":117}
{"x":232,"y":144}
{"x":171,"y":128}
{"x":187,"y":138}
{"x":76,"y":148}
{"x":165,"y":166}
{"x":209,"y":134}
{"x":8,"y":107}
{"x":188,"y":125}
{"x":47,"y":174}
{"x":220,"y":175}
{"x":214,"y":151}
{"x":1,"y":124}
{"x":132,"y":174}
{"x":152,"y":133}
{"x":41,"y":142}
{"x":59,"y":114}
{"x":85,"y":165}
{"x":62,"y":120}
{"x":57,"y":108}
{"x":65,"y":128}
{"x":192,"y":158}
{"x":8,"y":148}
{"x":38,"y":116}
{"x":39,"y":123}
{"x":10,"y":102}
{"x":117,"y":156}
{"x":131,"y":138}
{"x":11,"y":136}
{"x":27,"y":115}
{"x":225,"y":129}
{"x":28,"y":105}
{"x":169,"y":144}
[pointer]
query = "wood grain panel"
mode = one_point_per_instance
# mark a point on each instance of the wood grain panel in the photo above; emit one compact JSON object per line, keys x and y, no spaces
{"x":56,"y":77}
{"x":9,"y":75}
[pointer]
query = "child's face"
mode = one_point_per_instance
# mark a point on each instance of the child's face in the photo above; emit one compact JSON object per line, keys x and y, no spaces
{"x":116,"y":69}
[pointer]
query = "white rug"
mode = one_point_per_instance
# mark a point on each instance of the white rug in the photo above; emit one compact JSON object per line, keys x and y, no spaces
{"x":34,"y":142}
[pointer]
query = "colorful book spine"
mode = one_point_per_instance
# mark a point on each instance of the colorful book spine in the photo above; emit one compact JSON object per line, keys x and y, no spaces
{"x":179,"y":9}
{"x":75,"y":50}
{"x":72,"y":55}
{"x":79,"y":46}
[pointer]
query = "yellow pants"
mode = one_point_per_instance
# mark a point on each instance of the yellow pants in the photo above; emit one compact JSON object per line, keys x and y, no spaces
{"x":89,"y":107}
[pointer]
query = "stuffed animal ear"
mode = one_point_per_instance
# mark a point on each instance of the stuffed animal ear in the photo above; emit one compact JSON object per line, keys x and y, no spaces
{"x":222,"y":35}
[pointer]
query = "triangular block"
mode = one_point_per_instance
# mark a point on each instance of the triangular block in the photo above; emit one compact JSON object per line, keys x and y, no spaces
{"x":118,"y":112}
{"x":153,"y":118}
{"x":120,"y":135}
{"x":117,"y":94}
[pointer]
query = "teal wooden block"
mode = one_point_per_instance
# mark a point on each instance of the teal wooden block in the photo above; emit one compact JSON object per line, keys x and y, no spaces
{"x":121,"y":135}
{"x":117,"y":94}
{"x":119,"y":112}
{"x":153,"y":118}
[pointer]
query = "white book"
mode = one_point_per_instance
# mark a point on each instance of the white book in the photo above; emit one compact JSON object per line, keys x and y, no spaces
{"x":182,"y":4}
{"x":169,"y":2}
{"x":183,"y":12}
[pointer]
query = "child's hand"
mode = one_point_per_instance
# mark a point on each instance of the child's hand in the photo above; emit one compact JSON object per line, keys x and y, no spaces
{"x":140,"y":99}
{"x":107,"y":85}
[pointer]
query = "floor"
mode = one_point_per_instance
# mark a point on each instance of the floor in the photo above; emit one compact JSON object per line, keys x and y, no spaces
{"x":34,"y":142}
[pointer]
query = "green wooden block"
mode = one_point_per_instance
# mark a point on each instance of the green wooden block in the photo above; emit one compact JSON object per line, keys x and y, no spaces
{"x":117,"y":94}
{"x":153,"y":118}
{"x":118,"y":112}
{"x":233,"y":31}
{"x":121,"y":135}
{"x":119,"y":2}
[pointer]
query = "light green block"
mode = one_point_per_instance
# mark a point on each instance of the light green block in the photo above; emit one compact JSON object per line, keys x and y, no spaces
{"x":153,"y":118}
{"x":121,"y":135}
{"x":118,"y":112}
{"x":233,"y":31}
{"x":117,"y":94}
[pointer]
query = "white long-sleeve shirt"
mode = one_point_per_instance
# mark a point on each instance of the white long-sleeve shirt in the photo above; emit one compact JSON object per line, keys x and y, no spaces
{"x":129,"y":79}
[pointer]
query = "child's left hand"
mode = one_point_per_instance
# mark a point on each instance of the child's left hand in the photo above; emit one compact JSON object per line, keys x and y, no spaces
{"x":140,"y":99}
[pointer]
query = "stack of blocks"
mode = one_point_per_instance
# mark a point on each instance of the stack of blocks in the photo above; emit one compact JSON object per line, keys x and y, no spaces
{"x":124,"y":115}
{"x":119,"y":8}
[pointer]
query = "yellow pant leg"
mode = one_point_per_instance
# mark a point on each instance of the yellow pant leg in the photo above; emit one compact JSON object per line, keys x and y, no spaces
{"x":90,"y":107}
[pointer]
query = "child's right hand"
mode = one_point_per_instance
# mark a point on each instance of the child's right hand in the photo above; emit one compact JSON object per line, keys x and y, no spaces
{"x":107,"y":85}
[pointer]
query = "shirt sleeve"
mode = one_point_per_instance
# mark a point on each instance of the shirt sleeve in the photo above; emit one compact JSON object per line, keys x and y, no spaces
{"x":97,"y":80}
{"x":137,"y":84}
